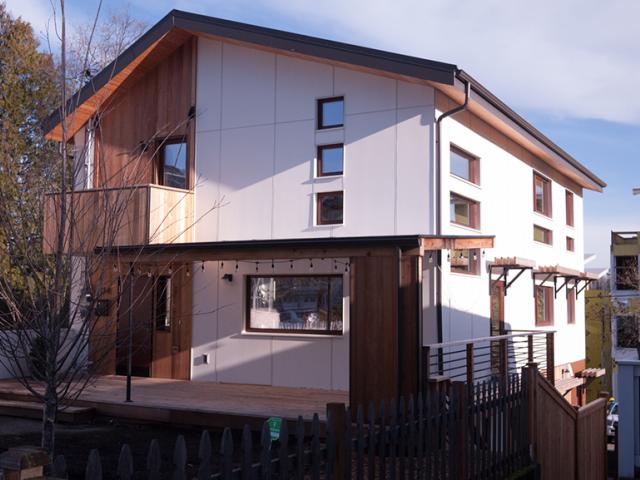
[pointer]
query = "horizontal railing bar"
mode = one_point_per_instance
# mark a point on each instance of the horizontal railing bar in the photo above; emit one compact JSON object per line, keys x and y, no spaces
{"x":488,"y":339}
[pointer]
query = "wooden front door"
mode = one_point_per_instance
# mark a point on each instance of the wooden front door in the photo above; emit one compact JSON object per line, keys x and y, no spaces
{"x":497,"y":325}
{"x":136,"y":299}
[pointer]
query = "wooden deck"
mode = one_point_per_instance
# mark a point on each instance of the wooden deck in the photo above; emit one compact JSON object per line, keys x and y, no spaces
{"x":195,"y":403}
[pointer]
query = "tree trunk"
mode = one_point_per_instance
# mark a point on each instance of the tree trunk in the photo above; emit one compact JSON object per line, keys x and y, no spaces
{"x":49,"y":414}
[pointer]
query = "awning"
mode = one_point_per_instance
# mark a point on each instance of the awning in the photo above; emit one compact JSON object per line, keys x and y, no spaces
{"x":566,"y":275}
{"x":503,"y":265}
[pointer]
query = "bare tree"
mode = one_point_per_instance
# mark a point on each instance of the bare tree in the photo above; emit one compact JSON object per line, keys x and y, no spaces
{"x":52,"y":338}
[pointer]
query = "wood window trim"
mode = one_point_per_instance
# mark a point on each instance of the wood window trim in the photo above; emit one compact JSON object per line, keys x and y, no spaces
{"x":547,"y":207}
{"x":571,"y":306}
{"x":474,"y":211}
{"x":474,"y":263}
{"x":319,"y":197}
{"x":569,"y":204}
{"x":474,"y":164}
{"x":320,"y":102}
{"x":548,"y":306}
{"x":320,"y":154}
{"x":548,"y":235}
{"x":282,"y":331}
{"x":571,"y":244}
{"x":159,"y":164}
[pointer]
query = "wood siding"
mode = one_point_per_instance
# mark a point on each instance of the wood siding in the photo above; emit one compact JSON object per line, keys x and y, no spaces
{"x":145,"y":110}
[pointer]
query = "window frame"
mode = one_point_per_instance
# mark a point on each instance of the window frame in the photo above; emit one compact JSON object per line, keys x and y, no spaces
{"x":571,"y":305}
{"x":548,"y":306}
{"x":548,"y":235}
{"x":160,"y":160}
{"x":571,"y":244}
{"x":319,"y":197}
{"x":281,"y":331}
{"x":319,"y":104}
{"x":319,"y":160}
{"x":569,"y":208}
{"x":474,"y":212}
{"x":547,"y":203}
{"x":474,"y":164}
{"x":474,"y":262}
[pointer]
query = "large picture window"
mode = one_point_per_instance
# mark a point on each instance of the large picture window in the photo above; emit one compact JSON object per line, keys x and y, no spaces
{"x":295,"y":304}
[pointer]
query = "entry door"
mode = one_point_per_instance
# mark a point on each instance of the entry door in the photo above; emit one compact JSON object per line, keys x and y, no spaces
{"x":497,"y":326}
{"x":138,"y":301}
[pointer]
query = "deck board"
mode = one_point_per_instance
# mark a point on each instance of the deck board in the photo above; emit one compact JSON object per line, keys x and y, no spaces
{"x":195,"y":402}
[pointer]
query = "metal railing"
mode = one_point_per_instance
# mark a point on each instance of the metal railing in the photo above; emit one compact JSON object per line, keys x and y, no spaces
{"x":485,"y":358}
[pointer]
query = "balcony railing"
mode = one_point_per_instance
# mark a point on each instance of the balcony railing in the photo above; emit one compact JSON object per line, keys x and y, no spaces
{"x":486,"y":358}
{"x":135,"y":215}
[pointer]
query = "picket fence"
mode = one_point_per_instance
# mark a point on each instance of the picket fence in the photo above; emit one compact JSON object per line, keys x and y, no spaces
{"x":453,"y":431}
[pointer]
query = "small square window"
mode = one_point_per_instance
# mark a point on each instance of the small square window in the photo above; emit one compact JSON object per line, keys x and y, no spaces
{"x":330,"y":112}
{"x":571,"y":244}
{"x":330,"y":208}
{"x":464,"y":165}
{"x":464,"y":211}
{"x":330,"y":160}
{"x":465,"y":261}
{"x":541,"y":195}
{"x":542,"y":235}
{"x":544,"y":306}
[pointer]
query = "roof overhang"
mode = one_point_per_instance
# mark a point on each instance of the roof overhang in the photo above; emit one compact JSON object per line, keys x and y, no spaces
{"x":413,"y":245}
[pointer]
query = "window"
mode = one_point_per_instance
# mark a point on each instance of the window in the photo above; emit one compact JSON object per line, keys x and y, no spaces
{"x":172,"y":170}
{"x":329,"y":208}
{"x":465,"y":261}
{"x":569,"y":207}
{"x":542,"y":235}
{"x":571,"y":244}
{"x":627,"y":331}
{"x":627,"y":273}
{"x":464,"y":165}
{"x":162,"y":303}
{"x":541,"y":195}
{"x":544,"y":306}
{"x":464,"y":211}
{"x":330,"y":160}
{"x":330,"y":112}
{"x":290,"y":304}
{"x":571,"y":305}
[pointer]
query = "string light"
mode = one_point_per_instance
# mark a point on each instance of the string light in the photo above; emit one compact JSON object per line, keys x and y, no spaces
{"x":257,"y":264}
{"x":115,"y":267}
{"x":202,"y":267}
{"x":221,"y":265}
{"x":449,"y":256}
{"x":335,"y":264}
{"x":431,"y":258}
{"x":475,"y":256}
{"x":310,"y":264}
{"x":188,"y":272}
{"x":273,"y":267}
{"x":236,"y":265}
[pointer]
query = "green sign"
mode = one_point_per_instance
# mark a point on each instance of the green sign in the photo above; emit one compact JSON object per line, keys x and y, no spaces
{"x":274,"y":427}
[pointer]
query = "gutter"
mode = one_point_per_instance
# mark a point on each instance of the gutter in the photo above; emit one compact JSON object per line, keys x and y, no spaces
{"x":438,"y":175}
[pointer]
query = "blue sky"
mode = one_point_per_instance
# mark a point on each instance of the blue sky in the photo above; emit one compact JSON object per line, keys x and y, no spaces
{"x":571,"y":67}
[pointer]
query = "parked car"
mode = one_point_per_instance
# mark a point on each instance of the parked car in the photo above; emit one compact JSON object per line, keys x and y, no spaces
{"x":612,"y":419}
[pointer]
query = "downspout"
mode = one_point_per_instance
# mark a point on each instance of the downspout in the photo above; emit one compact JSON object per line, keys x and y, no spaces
{"x":437,"y":172}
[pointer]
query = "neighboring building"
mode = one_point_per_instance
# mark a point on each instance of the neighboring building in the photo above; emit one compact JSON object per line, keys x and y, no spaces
{"x":365,"y":202}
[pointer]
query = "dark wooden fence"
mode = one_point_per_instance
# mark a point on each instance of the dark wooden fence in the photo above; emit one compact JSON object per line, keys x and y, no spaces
{"x":454,"y":431}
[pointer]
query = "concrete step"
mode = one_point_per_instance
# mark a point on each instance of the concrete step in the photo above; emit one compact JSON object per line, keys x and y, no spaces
{"x":30,"y":409}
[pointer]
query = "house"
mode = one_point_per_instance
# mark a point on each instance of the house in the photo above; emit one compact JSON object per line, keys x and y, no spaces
{"x":306,"y":213}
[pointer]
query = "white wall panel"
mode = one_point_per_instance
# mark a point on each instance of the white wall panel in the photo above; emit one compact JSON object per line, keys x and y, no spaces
{"x":298,"y":84}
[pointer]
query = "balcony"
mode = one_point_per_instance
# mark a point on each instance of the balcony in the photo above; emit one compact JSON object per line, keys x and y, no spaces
{"x":135,"y":215}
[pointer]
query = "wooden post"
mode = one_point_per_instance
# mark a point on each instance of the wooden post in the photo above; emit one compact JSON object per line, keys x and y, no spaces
{"x":426,"y":364}
{"x":470,"y":365}
{"x":459,"y":393}
{"x":531,"y":374}
{"x":530,"y":348}
{"x":551,"y":374}
{"x":337,"y":413}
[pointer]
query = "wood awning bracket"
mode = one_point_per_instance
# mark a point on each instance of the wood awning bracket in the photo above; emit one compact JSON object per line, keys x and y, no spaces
{"x":587,"y":282}
{"x":504,"y":275}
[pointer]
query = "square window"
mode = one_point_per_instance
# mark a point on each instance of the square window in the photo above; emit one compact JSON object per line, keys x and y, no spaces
{"x":465,"y":261}
{"x":541,"y":195}
{"x":464,"y":165}
{"x":542,"y":235}
{"x":330,"y":160}
{"x":329,"y":208}
{"x":330,"y":112}
{"x":571,"y":244}
{"x":172,"y":170}
{"x":295,"y":304}
{"x":544,"y":306}
{"x":464,"y":211}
